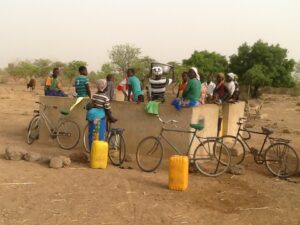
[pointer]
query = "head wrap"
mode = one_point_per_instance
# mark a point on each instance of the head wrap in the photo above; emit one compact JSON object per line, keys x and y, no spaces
{"x":196,"y":72}
{"x":101,"y":84}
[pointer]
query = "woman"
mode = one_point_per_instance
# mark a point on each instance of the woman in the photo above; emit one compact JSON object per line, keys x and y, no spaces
{"x":53,"y":85}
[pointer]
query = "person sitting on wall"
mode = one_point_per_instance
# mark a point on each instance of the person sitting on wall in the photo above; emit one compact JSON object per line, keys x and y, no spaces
{"x":82,"y":86}
{"x":204,"y":88}
{"x":191,"y":93}
{"x":236,"y":93}
{"x":158,"y":84}
{"x":53,"y":85}
{"x":134,"y":86}
{"x":210,"y":89}
{"x":219,"y":91}
{"x":184,"y":77}
{"x":229,"y":86}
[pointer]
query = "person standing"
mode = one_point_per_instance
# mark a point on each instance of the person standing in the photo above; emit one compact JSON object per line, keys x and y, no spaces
{"x":134,"y":86}
{"x":82,"y":86}
{"x":110,"y":90}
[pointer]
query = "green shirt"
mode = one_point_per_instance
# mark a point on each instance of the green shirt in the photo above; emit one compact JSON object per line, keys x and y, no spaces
{"x":80,"y":86}
{"x":193,"y":90}
{"x":135,"y":84}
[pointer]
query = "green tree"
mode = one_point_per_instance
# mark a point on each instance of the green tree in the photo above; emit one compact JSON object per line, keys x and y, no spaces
{"x":269,"y":61}
{"x":296,"y":73}
{"x":178,"y":70}
{"x":21,"y":69}
{"x":124,"y":56}
{"x":71,"y":69}
{"x":207,"y":62}
{"x":42,"y":67}
{"x":142,"y":67}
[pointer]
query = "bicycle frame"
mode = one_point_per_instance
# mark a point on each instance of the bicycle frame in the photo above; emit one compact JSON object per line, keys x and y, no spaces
{"x":244,"y":140}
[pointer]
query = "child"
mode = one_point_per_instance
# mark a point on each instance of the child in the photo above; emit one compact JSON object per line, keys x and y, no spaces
{"x":158,"y":84}
{"x":134,"y":86}
{"x":99,"y":108}
{"x":82,"y":86}
{"x":110,"y":87}
{"x":182,"y":86}
{"x":53,"y":85}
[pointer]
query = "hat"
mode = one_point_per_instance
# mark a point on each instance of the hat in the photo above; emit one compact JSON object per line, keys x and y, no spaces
{"x":231,"y":75}
{"x":196,"y":72}
{"x":101,"y":84}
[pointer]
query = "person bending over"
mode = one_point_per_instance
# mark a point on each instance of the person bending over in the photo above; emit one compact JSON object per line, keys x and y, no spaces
{"x":134,"y":86}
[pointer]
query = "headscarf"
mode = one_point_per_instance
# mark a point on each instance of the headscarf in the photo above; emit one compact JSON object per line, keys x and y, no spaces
{"x":231,"y":75}
{"x":196,"y":72}
{"x":101,"y":84}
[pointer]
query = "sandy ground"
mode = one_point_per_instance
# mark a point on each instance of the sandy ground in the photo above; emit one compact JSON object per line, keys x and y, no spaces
{"x":33,"y":194}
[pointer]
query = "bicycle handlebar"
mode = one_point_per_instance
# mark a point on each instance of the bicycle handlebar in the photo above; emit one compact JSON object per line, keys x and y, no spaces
{"x":166,"y":122}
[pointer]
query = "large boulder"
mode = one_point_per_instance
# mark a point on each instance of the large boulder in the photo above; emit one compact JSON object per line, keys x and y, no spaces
{"x":14,"y":153}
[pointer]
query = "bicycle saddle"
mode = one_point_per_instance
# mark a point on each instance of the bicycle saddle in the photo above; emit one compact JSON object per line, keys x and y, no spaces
{"x":267,"y":130}
{"x":64,"y":112}
{"x":117,"y":130}
{"x":197,"y":126}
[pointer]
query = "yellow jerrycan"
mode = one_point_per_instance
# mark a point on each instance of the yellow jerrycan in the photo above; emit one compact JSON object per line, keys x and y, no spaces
{"x":178,"y":172}
{"x":99,"y":155}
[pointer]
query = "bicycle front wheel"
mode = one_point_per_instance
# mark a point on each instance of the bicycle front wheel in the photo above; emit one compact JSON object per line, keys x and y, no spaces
{"x":281,"y":160}
{"x":116,"y":149}
{"x":33,"y":130}
{"x":67,"y":134}
{"x":212,"y":158}
{"x":149,"y":154}
{"x":236,"y":148}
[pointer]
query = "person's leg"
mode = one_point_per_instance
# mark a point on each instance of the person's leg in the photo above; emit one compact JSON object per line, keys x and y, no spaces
{"x":91,"y":128}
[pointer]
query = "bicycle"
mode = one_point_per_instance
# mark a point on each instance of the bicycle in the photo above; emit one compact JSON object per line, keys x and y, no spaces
{"x":66,"y":133}
{"x":275,"y":156}
{"x":207,"y":156}
{"x":116,"y":144}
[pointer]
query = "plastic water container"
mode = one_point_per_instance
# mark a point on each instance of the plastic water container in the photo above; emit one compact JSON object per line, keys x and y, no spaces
{"x":99,"y":155}
{"x":178,"y":172}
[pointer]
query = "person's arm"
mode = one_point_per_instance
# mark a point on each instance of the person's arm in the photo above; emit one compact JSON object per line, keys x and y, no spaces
{"x":88,"y":89}
{"x":129,"y":92}
{"x":187,"y":89}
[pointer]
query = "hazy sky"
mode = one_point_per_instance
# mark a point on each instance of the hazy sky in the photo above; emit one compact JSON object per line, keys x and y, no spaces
{"x":165,"y":30}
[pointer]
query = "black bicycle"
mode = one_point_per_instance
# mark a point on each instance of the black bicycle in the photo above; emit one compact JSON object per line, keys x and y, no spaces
{"x":116,"y":144}
{"x":280,"y":158}
{"x":211,"y":156}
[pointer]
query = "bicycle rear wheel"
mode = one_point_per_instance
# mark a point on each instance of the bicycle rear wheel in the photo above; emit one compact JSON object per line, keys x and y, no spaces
{"x":281,"y":160}
{"x":149,"y":154}
{"x":116,"y":149}
{"x":67,"y":134}
{"x":212,"y":158}
{"x":236,"y":149}
{"x":33,"y":130}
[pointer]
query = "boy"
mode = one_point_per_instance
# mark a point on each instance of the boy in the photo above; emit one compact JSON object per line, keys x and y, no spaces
{"x":110,"y":87}
{"x":134,"y":86}
{"x":82,"y":86}
{"x":98,"y":109}
{"x":158,"y":84}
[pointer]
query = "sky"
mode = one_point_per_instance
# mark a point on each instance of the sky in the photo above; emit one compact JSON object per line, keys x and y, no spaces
{"x":165,"y":30}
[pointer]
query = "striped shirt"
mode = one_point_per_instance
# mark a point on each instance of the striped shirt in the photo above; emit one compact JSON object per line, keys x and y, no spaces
{"x":80,"y":85}
{"x":158,"y":87}
{"x":100,"y":100}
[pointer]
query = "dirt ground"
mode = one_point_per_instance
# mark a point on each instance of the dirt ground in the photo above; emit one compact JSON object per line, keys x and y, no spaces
{"x":33,"y":194}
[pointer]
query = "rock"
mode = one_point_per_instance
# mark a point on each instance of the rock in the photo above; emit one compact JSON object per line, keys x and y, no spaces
{"x":128,"y":158}
{"x":264,"y":116}
{"x":32,"y":156}
{"x":286,"y":131}
{"x":14,"y":153}
{"x":236,"y":169}
{"x":45,"y":159}
{"x":56,"y":162}
{"x":79,"y":157}
{"x":66,"y":161}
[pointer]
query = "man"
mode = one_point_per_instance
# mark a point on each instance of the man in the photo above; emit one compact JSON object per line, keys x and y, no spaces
{"x":82,"y":86}
{"x":134,"y":86}
{"x":229,"y":85}
{"x":158,"y":84}
{"x":53,"y":85}
{"x":210,"y":86}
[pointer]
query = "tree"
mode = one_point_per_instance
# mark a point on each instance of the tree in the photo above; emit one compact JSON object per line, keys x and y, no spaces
{"x":42,"y":67}
{"x":124,"y":56}
{"x":21,"y":69}
{"x":71,"y":69}
{"x":178,"y":70}
{"x":142,"y":67}
{"x":296,"y":73}
{"x":207,"y":62}
{"x":269,"y":61}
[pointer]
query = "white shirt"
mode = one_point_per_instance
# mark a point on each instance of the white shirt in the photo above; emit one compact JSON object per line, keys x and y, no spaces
{"x":210,"y":88}
{"x":230,"y":86}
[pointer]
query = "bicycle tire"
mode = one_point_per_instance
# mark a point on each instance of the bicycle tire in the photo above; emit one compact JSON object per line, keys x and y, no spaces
{"x":236,"y":148}
{"x":86,"y":139}
{"x":34,"y":126}
{"x":142,"y":161}
{"x":208,"y":162}
{"x":116,"y":143}
{"x":275,"y":154}
{"x":65,"y":134}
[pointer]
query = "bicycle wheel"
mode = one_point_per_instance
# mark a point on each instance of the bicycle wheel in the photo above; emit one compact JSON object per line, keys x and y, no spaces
{"x":212,"y":158}
{"x":116,"y":149}
{"x":67,"y":134}
{"x":149,"y":154}
{"x":281,"y":160}
{"x":236,"y":149}
{"x":86,"y":143}
{"x":33,"y":130}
